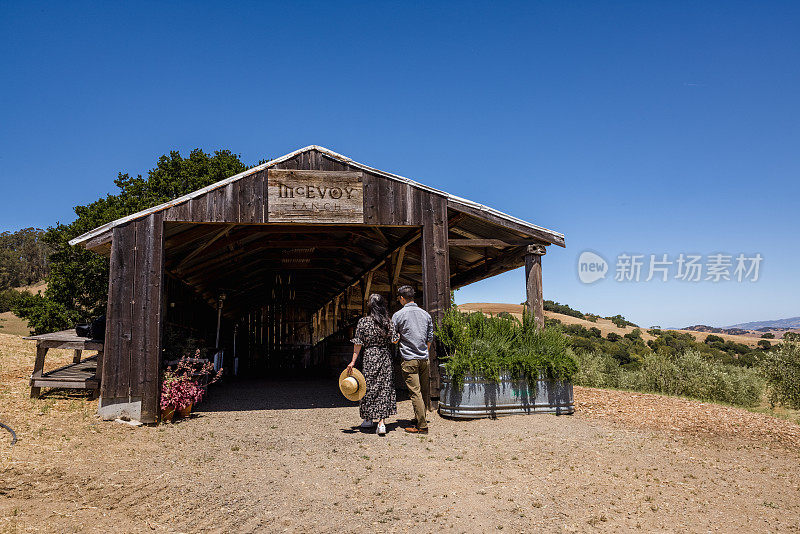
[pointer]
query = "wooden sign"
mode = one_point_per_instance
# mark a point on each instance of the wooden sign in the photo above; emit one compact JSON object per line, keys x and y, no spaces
{"x":315,"y":196}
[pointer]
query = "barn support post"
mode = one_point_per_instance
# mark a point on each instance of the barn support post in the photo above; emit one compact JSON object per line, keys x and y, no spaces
{"x":435,"y":273}
{"x":533,"y":283}
{"x":131,"y":368}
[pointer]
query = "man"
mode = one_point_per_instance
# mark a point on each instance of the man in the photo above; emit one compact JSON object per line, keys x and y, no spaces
{"x":415,"y":327}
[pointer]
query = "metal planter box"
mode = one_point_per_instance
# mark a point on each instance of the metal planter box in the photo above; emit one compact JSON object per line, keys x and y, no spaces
{"x":483,"y":398}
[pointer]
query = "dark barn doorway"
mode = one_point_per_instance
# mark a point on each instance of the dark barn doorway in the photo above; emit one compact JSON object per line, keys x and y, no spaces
{"x":286,"y":297}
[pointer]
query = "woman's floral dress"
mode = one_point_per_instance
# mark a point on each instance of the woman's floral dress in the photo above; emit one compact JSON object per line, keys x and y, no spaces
{"x":380,"y":400}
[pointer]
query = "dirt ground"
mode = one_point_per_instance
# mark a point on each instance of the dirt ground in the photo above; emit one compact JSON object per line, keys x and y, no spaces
{"x":284,"y":456}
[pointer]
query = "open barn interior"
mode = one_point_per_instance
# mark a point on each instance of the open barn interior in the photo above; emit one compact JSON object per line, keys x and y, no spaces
{"x":285,"y":298}
{"x":284,"y":293}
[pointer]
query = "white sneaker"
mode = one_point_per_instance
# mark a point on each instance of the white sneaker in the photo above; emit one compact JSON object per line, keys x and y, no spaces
{"x":381,"y":430}
{"x":367,"y":423}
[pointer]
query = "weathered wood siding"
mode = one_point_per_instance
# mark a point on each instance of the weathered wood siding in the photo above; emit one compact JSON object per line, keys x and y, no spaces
{"x":132,"y":359}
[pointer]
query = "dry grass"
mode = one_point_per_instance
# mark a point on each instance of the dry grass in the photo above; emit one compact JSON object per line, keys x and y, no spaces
{"x":11,"y":324}
{"x":38,"y":287}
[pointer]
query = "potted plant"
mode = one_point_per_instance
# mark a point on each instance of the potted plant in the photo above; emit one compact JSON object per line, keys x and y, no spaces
{"x":180,"y":388}
{"x":500,"y":365}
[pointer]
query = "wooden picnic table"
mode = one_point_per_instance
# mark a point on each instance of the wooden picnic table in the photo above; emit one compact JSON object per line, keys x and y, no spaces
{"x":80,"y":374}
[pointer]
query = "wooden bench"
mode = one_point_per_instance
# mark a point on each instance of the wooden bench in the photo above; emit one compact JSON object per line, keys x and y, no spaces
{"x":80,"y":374}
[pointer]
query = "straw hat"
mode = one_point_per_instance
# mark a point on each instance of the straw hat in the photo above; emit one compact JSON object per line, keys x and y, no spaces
{"x":354,"y":386}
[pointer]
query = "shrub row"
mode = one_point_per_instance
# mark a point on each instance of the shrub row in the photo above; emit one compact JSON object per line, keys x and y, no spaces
{"x":689,"y":375}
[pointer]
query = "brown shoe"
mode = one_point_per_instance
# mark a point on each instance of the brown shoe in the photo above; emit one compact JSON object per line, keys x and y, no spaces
{"x":415,"y":430}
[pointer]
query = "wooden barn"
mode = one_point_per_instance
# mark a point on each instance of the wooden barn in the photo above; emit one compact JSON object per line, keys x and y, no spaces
{"x":274,"y":265}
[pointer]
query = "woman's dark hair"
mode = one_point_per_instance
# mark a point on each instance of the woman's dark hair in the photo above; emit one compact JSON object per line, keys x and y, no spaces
{"x":376,"y":308}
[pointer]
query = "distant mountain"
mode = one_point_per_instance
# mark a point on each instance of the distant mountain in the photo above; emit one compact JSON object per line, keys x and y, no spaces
{"x":792,"y":322}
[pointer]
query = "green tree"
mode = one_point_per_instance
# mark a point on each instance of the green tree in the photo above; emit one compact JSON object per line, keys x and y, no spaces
{"x":620,"y":321}
{"x":23,"y":257}
{"x":782,"y":371}
{"x":78,"y":279}
{"x":634,"y":335}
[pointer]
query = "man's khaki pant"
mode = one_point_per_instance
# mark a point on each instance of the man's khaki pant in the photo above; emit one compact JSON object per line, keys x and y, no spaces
{"x":418,"y":381}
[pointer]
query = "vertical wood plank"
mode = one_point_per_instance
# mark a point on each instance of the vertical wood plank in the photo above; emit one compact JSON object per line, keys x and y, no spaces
{"x":197,"y":208}
{"x":388,"y":206}
{"x":183,"y":213}
{"x":260,"y":192}
{"x":400,"y":204}
{"x":241,"y":201}
{"x":121,"y":297}
{"x":210,"y":198}
{"x":370,"y":215}
{"x":247,"y":199}
{"x":289,"y":164}
{"x":232,"y":202}
{"x":139,"y":305}
{"x":412,"y":213}
{"x":442,"y":251}
{"x":154,"y":313}
{"x":128,"y":294}
{"x":264,"y":197}
{"x":111,"y":344}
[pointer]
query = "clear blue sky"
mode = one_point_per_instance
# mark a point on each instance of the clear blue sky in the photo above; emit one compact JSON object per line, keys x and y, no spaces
{"x":639,"y":127}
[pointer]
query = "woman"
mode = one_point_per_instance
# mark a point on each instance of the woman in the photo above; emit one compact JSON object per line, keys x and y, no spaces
{"x":375,"y":332}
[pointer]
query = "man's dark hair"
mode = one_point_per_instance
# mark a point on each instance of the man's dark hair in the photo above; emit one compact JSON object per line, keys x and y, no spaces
{"x":407,"y":292}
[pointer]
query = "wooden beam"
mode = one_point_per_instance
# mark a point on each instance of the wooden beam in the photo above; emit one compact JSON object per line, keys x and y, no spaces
{"x":533,"y":283}
{"x":495,"y":243}
{"x":381,"y":237}
{"x":200,"y":249}
{"x":370,"y":270}
{"x":367,"y":288}
{"x":542,"y":234}
{"x":480,"y":270}
{"x":98,"y":241}
{"x":398,"y":266}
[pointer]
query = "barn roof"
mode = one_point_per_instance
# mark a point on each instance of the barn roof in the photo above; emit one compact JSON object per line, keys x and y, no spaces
{"x":474,"y":208}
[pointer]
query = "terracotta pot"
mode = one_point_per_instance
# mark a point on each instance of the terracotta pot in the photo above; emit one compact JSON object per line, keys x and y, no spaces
{"x":184,"y":412}
{"x":166,"y":415}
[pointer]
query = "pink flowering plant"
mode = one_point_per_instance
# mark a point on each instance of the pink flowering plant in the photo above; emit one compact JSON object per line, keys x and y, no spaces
{"x":180,"y":388}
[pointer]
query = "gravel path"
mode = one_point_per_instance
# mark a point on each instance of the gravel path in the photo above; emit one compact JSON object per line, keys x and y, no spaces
{"x":267,"y":457}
